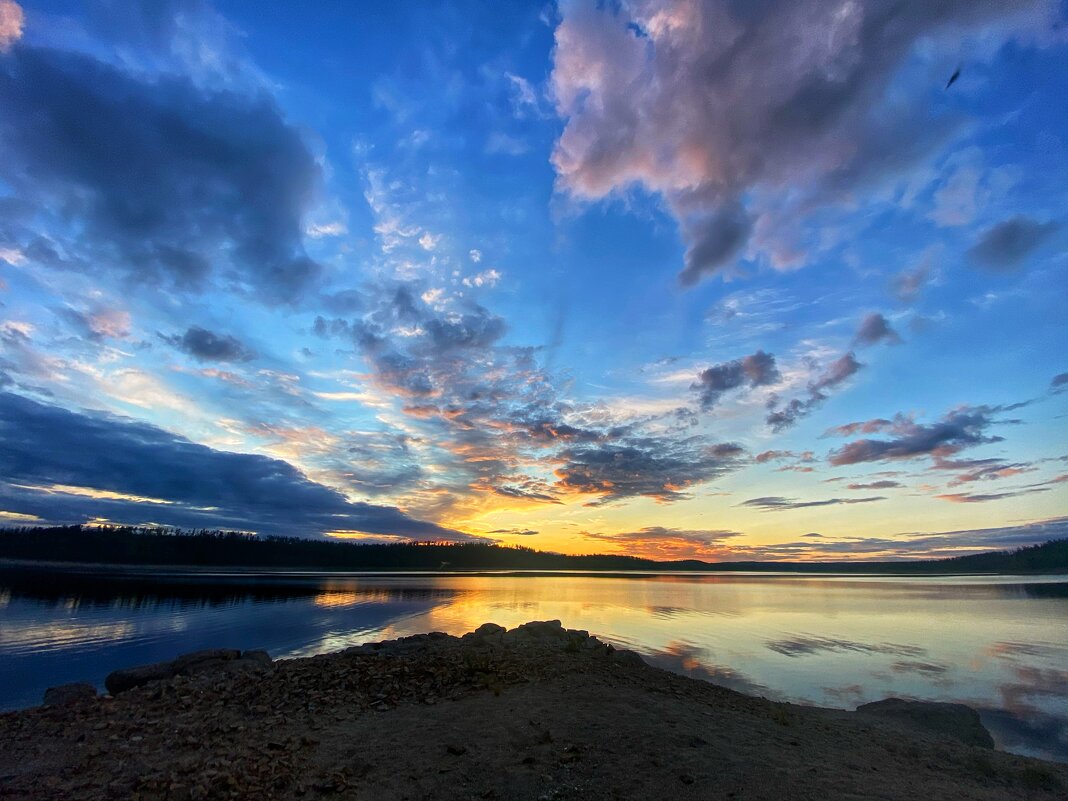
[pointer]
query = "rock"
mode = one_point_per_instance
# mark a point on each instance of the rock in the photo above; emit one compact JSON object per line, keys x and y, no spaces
{"x":956,"y":721}
{"x":127,"y":679}
{"x":487,"y":631}
{"x":542,"y":629}
{"x":628,"y":658}
{"x":69,"y":693}
{"x":259,"y":657}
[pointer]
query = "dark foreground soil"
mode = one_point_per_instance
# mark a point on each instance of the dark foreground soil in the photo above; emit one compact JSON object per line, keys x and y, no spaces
{"x":535,"y":713}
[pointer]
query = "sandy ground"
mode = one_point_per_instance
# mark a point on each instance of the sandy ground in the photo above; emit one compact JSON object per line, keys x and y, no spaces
{"x":535,"y":713}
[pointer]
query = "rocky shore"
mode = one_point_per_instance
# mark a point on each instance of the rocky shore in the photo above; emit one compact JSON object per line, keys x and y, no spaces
{"x":538,"y":712}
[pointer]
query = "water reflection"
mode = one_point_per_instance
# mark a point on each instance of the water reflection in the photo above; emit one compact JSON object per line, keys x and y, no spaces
{"x":999,"y":644}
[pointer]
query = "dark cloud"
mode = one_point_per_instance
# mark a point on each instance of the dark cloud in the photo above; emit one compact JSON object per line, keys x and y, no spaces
{"x":755,"y":370}
{"x":131,"y":472}
{"x":1004,"y":246}
{"x":961,"y":428}
{"x":714,"y":240}
{"x":439,"y":353}
{"x":515,"y":532}
{"x":876,"y":485}
{"x":1059,"y":382}
{"x":776,"y":503}
{"x":836,"y":373}
{"x":645,"y":466}
{"x":707,"y":103}
{"x":162,"y":176}
{"x":529,"y":490}
{"x":207,"y":346}
{"x":874,"y":329}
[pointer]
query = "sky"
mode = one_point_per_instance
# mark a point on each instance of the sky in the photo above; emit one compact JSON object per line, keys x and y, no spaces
{"x":690,"y":278}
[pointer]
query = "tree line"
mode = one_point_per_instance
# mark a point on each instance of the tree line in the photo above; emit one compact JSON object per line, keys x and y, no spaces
{"x":130,"y":545}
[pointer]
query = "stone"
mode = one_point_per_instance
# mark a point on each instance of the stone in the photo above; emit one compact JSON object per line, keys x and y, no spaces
{"x":69,"y":693}
{"x":542,"y":629}
{"x":196,"y":662}
{"x":258,"y":656}
{"x":487,"y":631}
{"x":955,"y":721}
{"x":632,"y":658}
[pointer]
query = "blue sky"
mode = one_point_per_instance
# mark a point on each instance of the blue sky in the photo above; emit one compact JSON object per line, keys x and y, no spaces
{"x":679,"y":278}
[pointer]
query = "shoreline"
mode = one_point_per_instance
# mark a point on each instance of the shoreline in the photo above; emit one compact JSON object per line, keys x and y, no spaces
{"x":60,"y":567}
{"x":534,"y":712}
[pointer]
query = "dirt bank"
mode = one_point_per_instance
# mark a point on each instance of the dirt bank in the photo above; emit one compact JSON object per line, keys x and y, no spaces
{"x":534,"y":713}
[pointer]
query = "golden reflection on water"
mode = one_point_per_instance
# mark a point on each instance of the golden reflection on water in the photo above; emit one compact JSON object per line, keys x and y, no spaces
{"x":836,"y":641}
{"x":999,"y":644}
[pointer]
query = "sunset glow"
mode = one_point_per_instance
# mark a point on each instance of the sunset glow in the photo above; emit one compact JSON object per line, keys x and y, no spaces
{"x":559,"y":276}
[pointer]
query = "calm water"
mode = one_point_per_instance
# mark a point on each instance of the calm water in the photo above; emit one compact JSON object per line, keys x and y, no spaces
{"x":999,"y":644}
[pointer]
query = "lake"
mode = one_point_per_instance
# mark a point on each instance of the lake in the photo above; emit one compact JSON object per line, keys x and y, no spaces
{"x":999,"y":644}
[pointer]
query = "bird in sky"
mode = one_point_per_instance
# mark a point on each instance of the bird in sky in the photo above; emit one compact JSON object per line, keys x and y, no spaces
{"x":953,"y":78}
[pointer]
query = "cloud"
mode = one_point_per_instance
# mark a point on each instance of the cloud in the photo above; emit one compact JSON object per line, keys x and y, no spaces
{"x":976,"y":497}
{"x":715,"y":240}
{"x":11,"y":21}
{"x":1004,"y":246}
{"x":67,"y":466}
{"x":497,"y":419}
{"x":776,"y":503}
{"x":802,"y":458}
{"x":875,"y":329}
{"x":862,"y":427}
{"x":876,"y":485}
{"x":666,"y":544}
{"x":957,"y":430}
{"x":207,"y":346}
{"x":163,"y":176}
{"x":908,"y":284}
{"x":706,"y":102}
{"x":98,"y":324}
{"x":515,"y":532}
{"x":1059,"y":382}
{"x":718,"y":545}
{"x":658,"y":468}
{"x":484,"y":278}
{"x":756,"y":370}
{"x":836,"y":373}
{"x":983,"y":469}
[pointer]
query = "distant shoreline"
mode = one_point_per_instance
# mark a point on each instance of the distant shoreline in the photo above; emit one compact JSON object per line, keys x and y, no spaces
{"x":299,"y":571}
{"x":161,"y":550}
